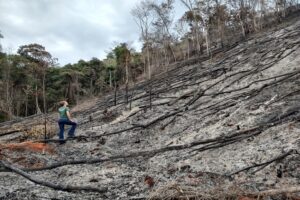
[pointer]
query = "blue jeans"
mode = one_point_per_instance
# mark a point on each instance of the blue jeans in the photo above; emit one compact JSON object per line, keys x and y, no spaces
{"x":62,"y":122}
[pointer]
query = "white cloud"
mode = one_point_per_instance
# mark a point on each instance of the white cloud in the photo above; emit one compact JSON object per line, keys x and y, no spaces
{"x":69,"y":29}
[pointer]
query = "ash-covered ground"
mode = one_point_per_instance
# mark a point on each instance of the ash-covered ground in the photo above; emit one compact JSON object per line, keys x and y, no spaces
{"x":208,"y":119}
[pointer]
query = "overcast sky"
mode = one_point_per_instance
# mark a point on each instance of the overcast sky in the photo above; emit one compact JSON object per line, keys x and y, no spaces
{"x":69,"y":29}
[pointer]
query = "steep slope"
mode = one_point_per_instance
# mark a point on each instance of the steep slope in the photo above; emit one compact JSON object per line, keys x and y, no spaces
{"x":206,"y":128}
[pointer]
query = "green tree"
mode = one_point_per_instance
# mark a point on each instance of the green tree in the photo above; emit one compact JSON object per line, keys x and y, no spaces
{"x":41,"y":60}
{"x":95,"y":72}
{"x":110,"y":64}
{"x":73,"y":88}
{"x":123,"y":56}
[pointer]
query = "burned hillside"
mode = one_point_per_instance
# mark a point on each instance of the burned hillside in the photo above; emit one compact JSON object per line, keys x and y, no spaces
{"x":225,"y":127}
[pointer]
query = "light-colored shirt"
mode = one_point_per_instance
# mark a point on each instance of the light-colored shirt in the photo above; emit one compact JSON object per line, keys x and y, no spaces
{"x":63,"y":112}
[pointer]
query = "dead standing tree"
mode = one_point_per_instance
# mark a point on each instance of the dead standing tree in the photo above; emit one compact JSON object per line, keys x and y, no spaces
{"x":143,"y":18}
{"x":193,"y":17}
{"x":162,"y":24}
{"x":218,"y":20}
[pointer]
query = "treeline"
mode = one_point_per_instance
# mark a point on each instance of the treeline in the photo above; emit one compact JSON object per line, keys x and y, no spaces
{"x":32,"y":82}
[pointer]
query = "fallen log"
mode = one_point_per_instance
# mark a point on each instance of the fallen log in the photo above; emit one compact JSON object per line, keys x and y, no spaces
{"x":264,"y":164}
{"x":10,"y":132}
{"x":61,"y":187}
{"x":163,"y":117}
{"x":166,"y":124}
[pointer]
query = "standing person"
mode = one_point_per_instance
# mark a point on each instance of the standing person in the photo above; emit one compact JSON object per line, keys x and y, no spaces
{"x":65,"y":119}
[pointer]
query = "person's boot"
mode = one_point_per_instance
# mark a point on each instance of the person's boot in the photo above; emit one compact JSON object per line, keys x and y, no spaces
{"x":62,"y":142}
